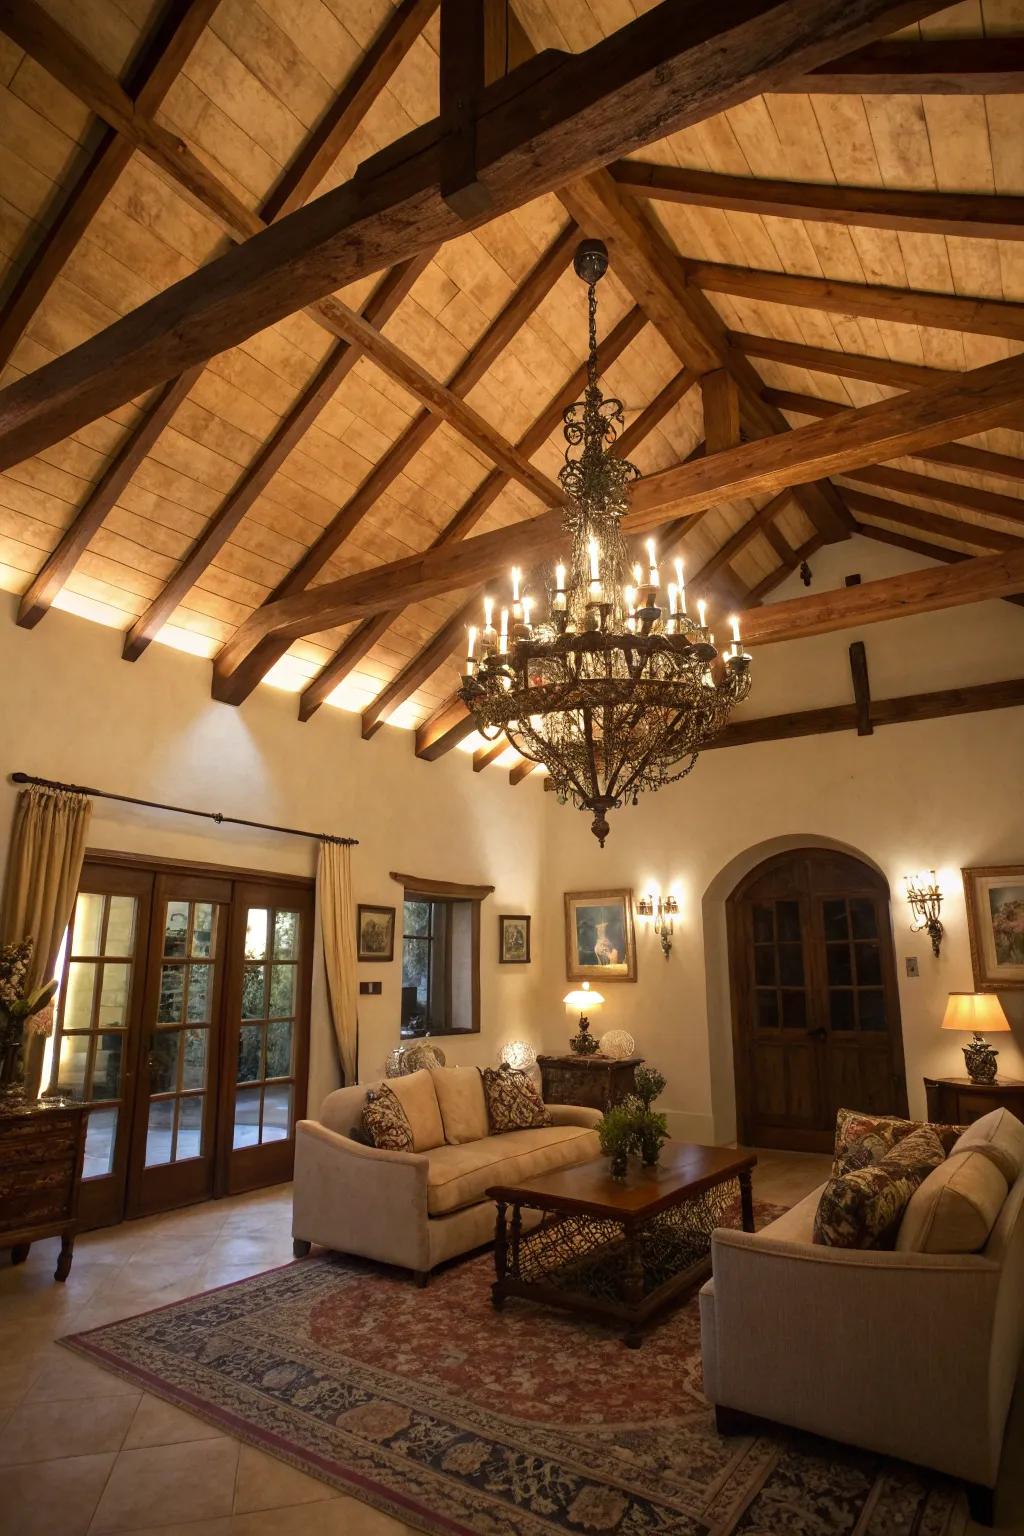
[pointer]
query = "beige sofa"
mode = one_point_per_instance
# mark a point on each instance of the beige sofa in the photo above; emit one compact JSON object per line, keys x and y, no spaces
{"x":911,"y":1353}
{"x":417,"y":1209}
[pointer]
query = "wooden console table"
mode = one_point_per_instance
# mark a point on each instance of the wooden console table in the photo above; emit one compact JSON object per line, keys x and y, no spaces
{"x":41,"y":1147}
{"x":958,"y":1101}
{"x":597,"y":1082}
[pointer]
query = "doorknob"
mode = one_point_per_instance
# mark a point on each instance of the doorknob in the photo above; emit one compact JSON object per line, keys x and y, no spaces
{"x":817,"y":1034}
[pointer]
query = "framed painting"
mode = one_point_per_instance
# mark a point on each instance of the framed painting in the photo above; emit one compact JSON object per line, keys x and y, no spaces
{"x":375,"y":933}
{"x":995,"y":924}
{"x":513,"y":939}
{"x":599,"y":940}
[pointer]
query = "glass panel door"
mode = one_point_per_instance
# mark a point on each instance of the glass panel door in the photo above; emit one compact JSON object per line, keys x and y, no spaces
{"x":173,"y":1151}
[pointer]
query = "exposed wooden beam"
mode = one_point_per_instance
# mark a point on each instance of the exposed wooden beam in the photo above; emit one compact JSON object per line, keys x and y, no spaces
{"x":652,"y":415}
{"x":235,"y":676}
{"x":781,"y":545}
{"x":908,"y":306}
{"x":521,"y":770}
{"x":721,"y":410}
{"x":461,"y":87}
{"x":738,"y":541}
{"x":977,"y":215}
{"x":899,"y":711}
{"x":448,"y":726}
{"x":846,"y":365}
{"x":73,"y":543}
{"x":940,"y":552}
{"x":971,"y":402}
{"x":969,"y":498}
{"x":861,"y":687}
{"x":941,"y":66}
{"x":790,"y":559}
{"x":483,"y":757}
{"x":864,"y":505}
{"x":146,"y":83}
{"x":546,"y":123}
{"x":421,"y":667}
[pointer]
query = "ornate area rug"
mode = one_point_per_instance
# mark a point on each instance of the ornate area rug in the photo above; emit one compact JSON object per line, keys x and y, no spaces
{"x":458,"y":1419}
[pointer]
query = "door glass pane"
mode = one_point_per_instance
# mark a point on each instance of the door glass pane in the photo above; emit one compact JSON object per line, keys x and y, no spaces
{"x":193,"y":1071}
{"x":282,"y":991}
{"x":85,"y":937}
{"x":120,"y":938}
{"x":767,"y":1010}
{"x":871,"y":1009}
{"x":106,"y":1067}
{"x":254,"y":986}
{"x":840,"y":971}
{"x":250,"y":1043}
{"x":277,"y":1112}
{"x":81,"y":980}
{"x":286,"y":935}
{"x":416,"y":918}
{"x":247,"y":1117}
{"x":764,"y":965}
{"x":279,"y":1048}
{"x":787,"y":916}
{"x":863,"y":918}
{"x":200,"y":993}
{"x":869,"y":965}
{"x":840,"y":1008}
{"x":172,"y":994}
{"x":100,"y":1139}
{"x":160,"y":1132}
{"x":794,"y":1010}
{"x":791,"y":965}
{"x":256,"y":923}
{"x":74,"y":1060}
{"x":764,"y":932}
{"x":176,"y":928}
{"x":113,"y":1009}
{"x":203,"y":928}
{"x":834,"y":916}
{"x":190,"y":1128}
{"x":163,"y":1061}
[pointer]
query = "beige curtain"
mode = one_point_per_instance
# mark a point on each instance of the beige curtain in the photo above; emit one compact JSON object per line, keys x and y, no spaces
{"x":338,"y":931}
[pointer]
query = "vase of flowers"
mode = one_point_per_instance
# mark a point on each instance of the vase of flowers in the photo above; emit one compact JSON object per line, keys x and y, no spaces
{"x":22,"y":1014}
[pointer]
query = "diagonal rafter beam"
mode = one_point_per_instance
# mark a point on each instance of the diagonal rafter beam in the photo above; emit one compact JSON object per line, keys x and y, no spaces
{"x":862,"y":504}
{"x":941,"y":66}
{"x":547,"y":122}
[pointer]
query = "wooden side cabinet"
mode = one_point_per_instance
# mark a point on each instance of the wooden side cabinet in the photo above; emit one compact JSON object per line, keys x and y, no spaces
{"x":597,"y":1082}
{"x":958,"y":1101}
{"x":41,"y":1149}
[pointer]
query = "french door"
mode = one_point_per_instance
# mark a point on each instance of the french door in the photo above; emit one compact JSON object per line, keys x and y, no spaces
{"x":183,"y":1024}
{"x":816,"y":1024}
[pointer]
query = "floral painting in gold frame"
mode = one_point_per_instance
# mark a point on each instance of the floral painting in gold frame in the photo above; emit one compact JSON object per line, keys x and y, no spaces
{"x":995,"y":924}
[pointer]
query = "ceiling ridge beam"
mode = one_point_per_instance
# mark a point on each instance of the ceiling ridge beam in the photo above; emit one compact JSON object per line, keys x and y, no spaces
{"x":146,"y":83}
{"x":546,"y":122}
{"x":972,"y":214}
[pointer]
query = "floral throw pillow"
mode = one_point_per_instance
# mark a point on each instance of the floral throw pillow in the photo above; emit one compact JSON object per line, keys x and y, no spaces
{"x":862,"y":1140}
{"x":864,"y":1207}
{"x":385,"y":1121}
{"x":513,"y":1101}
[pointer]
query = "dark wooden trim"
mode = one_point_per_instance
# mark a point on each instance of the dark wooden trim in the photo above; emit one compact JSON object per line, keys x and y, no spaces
{"x":444,"y":890}
{"x":861,"y":687}
{"x":120,"y":858}
{"x":521,"y":771}
{"x":976,"y":534}
{"x":940,"y":66}
{"x":484,"y":756}
{"x":461,"y":87}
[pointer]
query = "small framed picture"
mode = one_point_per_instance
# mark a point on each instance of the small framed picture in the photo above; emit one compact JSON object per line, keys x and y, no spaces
{"x":995,"y":924}
{"x":599,"y":941}
{"x":375,"y":933}
{"x":513,"y":940}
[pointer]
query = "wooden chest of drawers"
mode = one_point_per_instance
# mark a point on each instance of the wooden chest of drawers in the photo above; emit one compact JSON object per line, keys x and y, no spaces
{"x":596,"y":1081}
{"x":41,"y":1147}
{"x":958,"y":1101}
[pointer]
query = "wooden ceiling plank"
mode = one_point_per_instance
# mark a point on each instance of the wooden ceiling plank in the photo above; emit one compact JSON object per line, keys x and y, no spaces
{"x":546,"y":123}
{"x":970,"y":214}
{"x":146,"y":83}
{"x":907,"y":306}
{"x":940,"y":66}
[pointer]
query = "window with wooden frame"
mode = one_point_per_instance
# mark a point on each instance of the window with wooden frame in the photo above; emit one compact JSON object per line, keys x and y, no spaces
{"x":440,"y":956}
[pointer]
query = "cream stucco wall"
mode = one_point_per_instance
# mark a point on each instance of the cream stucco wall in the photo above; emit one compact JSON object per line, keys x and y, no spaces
{"x":944,"y":792}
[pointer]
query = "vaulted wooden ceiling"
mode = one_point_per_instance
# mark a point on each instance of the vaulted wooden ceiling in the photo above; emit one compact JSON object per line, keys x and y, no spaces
{"x":852,"y":236}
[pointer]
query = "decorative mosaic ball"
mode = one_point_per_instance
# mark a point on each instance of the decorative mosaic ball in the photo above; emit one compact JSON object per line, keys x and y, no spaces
{"x":618,"y":1043}
{"x":393,"y":1065}
{"x":423,"y":1054}
{"x":519,"y":1055}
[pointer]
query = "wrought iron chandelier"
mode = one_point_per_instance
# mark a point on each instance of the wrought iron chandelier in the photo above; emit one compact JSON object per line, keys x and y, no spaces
{"x":611,"y":693}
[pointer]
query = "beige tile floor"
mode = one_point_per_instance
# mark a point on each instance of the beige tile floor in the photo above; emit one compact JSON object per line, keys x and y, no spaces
{"x":83,"y":1453}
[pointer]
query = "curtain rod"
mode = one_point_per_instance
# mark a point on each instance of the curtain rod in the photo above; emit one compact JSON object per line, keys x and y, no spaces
{"x":181,"y":810}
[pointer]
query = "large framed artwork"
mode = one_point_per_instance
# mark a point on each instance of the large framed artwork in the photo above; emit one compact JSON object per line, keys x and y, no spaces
{"x":375,"y":933}
{"x":995,"y":923}
{"x":599,"y":942}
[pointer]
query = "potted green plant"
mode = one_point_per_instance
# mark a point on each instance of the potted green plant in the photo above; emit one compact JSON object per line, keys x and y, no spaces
{"x":617,"y":1134}
{"x":21,"y":1012}
{"x":649,"y":1083}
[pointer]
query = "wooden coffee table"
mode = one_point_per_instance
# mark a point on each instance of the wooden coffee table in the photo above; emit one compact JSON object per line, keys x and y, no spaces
{"x":620,"y":1251}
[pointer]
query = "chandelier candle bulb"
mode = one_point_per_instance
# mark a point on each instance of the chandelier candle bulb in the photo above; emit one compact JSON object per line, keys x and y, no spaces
{"x":652,"y":561}
{"x":527,"y":610}
{"x":681,"y":584}
{"x":503,"y":640}
{"x":470,"y":649}
{"x":734,"y":621}
{"x":702,"y":613}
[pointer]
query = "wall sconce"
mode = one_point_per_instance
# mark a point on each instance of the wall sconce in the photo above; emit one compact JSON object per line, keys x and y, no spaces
{"x":662,"y":910}
{"x":925,"y":900}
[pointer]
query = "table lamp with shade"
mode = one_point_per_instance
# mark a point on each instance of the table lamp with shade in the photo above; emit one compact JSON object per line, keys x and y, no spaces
{"x":974,"y":1012}
{"x":583,"y":1043}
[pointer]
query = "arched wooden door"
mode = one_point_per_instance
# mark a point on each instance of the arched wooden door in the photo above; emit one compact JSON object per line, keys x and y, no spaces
{"x":816,"y":1021}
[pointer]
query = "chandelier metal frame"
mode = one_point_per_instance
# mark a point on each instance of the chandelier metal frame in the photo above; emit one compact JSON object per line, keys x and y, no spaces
{"x":611,"y":693}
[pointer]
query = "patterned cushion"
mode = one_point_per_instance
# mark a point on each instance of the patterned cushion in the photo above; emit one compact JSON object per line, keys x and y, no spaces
{"x":386,"y":1122}
{"x":862,"y":1140}
{"x":513,"y":1102}
{"x":864,"y":1207}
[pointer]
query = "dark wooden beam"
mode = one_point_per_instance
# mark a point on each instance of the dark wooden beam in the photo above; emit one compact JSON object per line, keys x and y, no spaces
{"x":462,"y":86}
{"x":846,"y":365}
{"x":483,"y":757}
{"x":738,"y":541}
{"x":521,"y":770}
{"x":721,"y":399}
{"x":864,"y":505}
{"x":448,"y":726}
{"x":968,"y":498}
{"x":976,"y":215}
{"x":941,"y":66}
{"x":790,"y":559}
{"x":147,"y":82}
{"x":908,"y":306}
{"x":549,"y":121}
{"x":940,"y":552}
{"x":861,"y":687}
